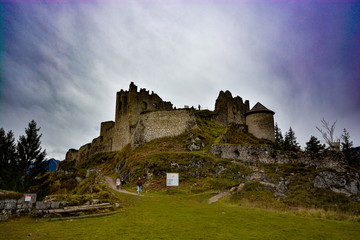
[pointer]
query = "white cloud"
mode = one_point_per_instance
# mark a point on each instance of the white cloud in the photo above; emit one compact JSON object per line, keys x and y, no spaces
{"x":81,"y":54}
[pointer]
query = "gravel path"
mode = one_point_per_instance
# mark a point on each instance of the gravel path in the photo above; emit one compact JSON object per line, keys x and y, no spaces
{"x":223,"y":194}
{"x":112,"y":185}
{"x":218,"y":196}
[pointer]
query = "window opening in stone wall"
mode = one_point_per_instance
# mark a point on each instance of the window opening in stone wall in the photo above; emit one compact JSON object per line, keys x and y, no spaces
{"x":144,"y":107}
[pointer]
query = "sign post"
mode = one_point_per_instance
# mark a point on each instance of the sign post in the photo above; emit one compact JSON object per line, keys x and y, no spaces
{"x":27,"y":198}
{"x":172,"y":180}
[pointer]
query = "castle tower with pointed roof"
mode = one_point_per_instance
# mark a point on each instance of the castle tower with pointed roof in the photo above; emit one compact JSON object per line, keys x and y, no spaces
{"x":260,"y":121}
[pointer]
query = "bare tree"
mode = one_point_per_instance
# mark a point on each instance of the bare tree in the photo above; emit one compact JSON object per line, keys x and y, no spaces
{"x":328,"y":132}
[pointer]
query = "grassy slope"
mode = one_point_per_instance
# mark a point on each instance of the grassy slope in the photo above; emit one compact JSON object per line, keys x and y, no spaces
{"x":199,"y":172}
{"x":177,"y":216}
{"x":184,"y":215}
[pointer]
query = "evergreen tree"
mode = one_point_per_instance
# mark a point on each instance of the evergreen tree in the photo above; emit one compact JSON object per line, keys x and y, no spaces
{"x":314,"y":146}
{"x":290,"y":143}
{"x":3,"y":159}
{"x":351,"y":156}
{"x":279,"y":140}
{"x":8,"y":164}
{"x":31,"y":156}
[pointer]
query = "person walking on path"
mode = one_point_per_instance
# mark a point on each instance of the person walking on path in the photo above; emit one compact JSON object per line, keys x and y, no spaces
{"x":139,"y":185}
{"x":118,"y":183}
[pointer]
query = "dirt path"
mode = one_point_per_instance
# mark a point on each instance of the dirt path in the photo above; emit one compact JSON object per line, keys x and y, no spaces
{"x":111,"y":184}
{"x":223,"y":194}
{"x":218,"y":196}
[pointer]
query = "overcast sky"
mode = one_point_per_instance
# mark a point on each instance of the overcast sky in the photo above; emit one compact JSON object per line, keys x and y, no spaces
{"x":62,"y":62}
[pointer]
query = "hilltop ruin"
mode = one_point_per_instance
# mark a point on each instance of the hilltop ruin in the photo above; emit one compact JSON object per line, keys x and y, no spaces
{"x":142,"y":116}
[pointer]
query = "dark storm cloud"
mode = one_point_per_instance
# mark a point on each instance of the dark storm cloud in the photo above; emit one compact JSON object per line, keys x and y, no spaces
{"x":63,"y":62}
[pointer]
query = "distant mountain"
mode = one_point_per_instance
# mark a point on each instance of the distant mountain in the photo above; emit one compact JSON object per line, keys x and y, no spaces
{"x":52,"y":164}
{"x":357,"y":149}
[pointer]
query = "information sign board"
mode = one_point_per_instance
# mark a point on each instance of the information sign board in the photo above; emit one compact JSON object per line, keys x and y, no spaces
{"x":27,"y":198}
{"x":172,"y":179}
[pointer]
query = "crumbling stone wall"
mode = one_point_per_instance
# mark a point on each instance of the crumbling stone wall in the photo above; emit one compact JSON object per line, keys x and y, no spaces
{"x":84,"y":152}
{"x":129,"y":106}
{"x":72,"y":155}
{"x":229,"y":109}
{"x":159,"y":124}
{"x":264,"y":154}
{"x":107,"y":129}
{"x":100,"y":144}
{"x":141,"y":116}
{"x":18,"y":206}
{"x":115,"y":135}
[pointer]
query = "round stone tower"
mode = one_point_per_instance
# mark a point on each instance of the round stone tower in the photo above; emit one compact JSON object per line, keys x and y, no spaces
{"x":260,"y":122}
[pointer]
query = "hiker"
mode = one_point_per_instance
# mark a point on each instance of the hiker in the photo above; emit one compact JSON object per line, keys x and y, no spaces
{"x":117,"y":183}
{"x":123,"y":182}
{"x":139,"y":185}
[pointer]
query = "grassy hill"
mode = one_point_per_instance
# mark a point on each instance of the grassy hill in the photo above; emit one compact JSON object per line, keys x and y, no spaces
{"x":199,"y":170}
{"x":254,"y":212}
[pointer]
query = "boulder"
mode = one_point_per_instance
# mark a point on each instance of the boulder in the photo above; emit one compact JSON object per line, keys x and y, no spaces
{"x":328,"y":179}
{"x":354,"y":187}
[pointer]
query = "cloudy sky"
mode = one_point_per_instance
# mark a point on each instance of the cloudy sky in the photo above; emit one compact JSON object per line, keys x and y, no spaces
{"x":62,"y":62}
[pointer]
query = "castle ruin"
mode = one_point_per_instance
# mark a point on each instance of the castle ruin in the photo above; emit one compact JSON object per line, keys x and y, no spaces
{"x":141,"y":117}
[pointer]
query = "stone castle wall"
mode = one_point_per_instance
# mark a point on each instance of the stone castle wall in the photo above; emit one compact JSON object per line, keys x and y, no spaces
{"x":141,"y":116}
{"x":84,"y":152}
{"x":261,"y":125}
{"x":122,"y":135}
{"x":72,"y":155}
{"x":159,"y":124}
{"x":100,"y":144}
{"x":229,"y":109}
{"x":264,"y":154}
{"x":129,"y":106}
{"x":128,"y":112}
{"x":107,"y":129}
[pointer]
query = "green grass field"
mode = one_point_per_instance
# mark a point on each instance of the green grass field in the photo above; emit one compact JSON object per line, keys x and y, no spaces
{"x":182,"y":216}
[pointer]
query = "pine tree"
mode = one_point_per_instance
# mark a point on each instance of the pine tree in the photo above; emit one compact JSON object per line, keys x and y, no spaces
{"x":351,"y":157}
{"x":8,"y":164}
{"x":279,"y":140}
{"x":314,"y":146}
{"x":31,"y":156}
{"x":290,"y":143}
{"x":4,"y":166}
